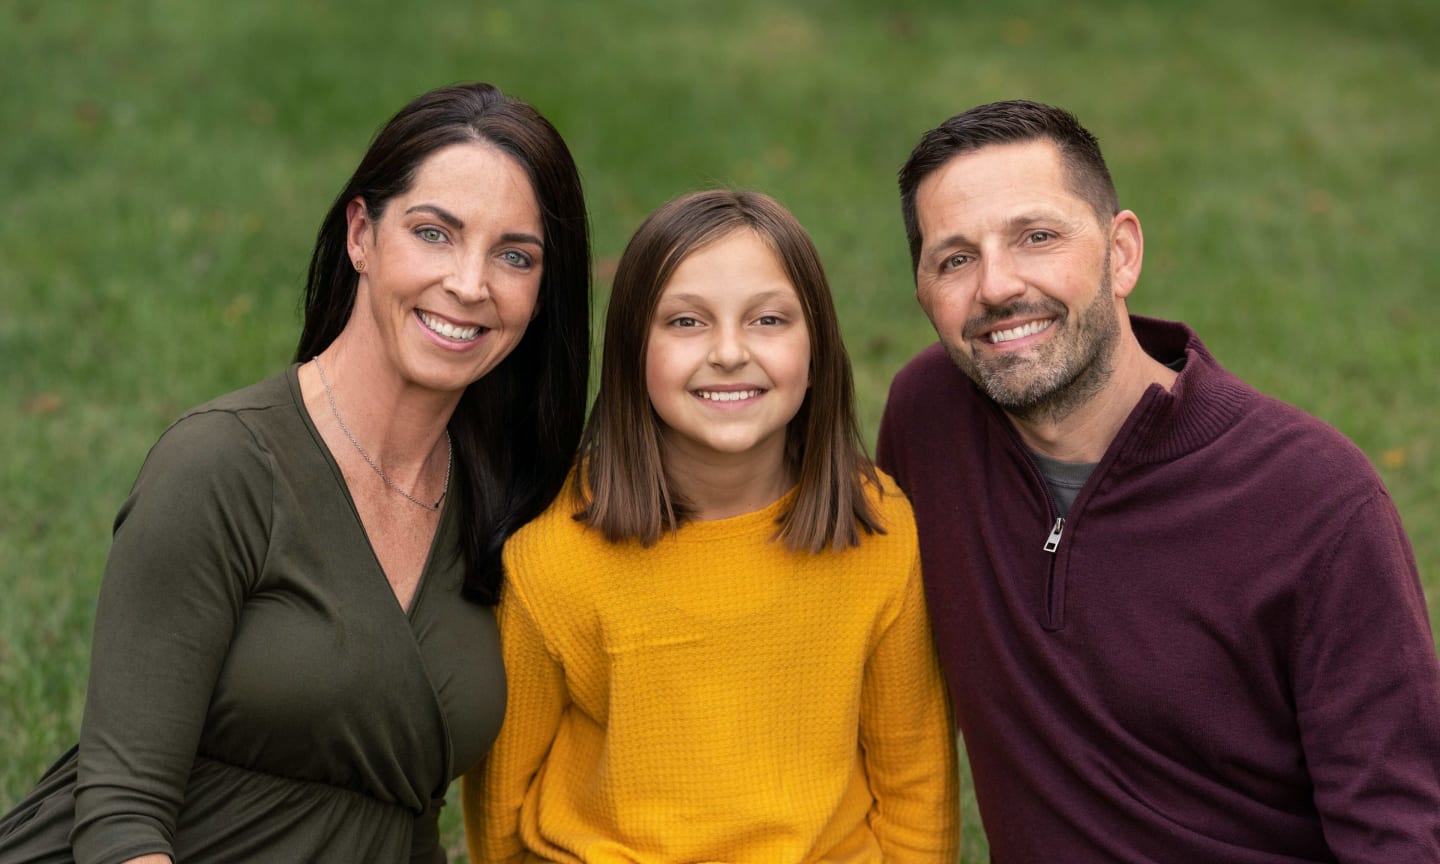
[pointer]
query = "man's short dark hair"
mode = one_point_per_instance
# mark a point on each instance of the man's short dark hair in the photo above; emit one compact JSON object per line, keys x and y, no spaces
{"x":1012,"y":122}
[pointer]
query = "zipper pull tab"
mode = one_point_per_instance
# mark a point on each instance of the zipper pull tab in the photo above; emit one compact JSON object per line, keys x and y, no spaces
{"x":1053,"y":541}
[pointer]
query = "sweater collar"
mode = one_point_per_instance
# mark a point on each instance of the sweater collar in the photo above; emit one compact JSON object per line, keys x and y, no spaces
{"x":1204,"y":402}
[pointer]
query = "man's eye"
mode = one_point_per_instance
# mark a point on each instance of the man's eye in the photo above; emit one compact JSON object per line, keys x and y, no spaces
{"x":955,"y":261}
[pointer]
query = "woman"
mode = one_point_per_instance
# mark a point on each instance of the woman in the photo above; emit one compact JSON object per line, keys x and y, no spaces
{"x":294,"y":648}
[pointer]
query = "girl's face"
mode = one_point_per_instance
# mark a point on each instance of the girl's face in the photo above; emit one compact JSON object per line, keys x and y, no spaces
{"x":452,"y":268}
{"x":727,"y":367}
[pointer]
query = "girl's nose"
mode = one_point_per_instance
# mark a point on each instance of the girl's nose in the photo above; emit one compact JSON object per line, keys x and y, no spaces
{"x":728,"y":350}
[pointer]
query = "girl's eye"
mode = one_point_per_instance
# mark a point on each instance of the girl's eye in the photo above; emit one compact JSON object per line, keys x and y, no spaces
{"x":684,"y":321}
{"x":516,"y":258}
{"x":430,"y":234}
{"x":769,"y":320}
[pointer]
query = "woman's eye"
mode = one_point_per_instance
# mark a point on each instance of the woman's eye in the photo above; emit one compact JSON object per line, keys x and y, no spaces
{"x":430,"y":234}
{"x":516,"y":258}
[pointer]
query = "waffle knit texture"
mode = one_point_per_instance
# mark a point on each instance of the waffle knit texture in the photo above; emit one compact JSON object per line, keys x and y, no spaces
{"x":716,"y":697}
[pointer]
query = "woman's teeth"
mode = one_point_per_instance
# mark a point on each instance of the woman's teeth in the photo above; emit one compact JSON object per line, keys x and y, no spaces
{"x":448,"y":330}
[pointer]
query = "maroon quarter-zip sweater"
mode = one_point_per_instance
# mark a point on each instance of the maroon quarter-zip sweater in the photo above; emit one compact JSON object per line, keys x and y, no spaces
{"x":1221,"y":655}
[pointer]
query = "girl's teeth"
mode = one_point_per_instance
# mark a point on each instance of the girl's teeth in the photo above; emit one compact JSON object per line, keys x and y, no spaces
{"x":448,"y":330}
{"x":727,"y":395}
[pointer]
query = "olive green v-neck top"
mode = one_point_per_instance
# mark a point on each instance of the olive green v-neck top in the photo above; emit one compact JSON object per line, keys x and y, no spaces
{"x":256,"y":691}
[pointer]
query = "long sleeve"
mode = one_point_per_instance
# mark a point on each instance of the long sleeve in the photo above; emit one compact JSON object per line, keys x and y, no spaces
{"x":188,"y":542}
{"x":1367,"y":694}
{"x":492,"y":794}
{"x":909,"y":740}
{"x":716,"y":697}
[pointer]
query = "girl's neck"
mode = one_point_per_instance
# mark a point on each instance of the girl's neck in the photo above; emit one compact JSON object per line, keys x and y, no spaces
{"x":720,"y":486}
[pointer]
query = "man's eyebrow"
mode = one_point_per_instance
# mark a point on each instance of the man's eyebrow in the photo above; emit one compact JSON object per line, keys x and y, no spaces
{"x":1014,"y":223}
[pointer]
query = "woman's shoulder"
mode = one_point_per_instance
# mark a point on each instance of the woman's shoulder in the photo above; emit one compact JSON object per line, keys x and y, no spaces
{"x":223,"y":443}
{"x":273,"y":392}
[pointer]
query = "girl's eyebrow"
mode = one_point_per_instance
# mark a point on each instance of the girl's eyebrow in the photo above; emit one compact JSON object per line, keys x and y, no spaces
{"x":697,"y":299}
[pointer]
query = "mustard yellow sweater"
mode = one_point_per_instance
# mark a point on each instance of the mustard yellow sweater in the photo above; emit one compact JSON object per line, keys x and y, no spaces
{"x":716,"y":698}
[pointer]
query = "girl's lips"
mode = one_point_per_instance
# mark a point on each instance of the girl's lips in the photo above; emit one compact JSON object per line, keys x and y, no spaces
{"x":728,"y":395}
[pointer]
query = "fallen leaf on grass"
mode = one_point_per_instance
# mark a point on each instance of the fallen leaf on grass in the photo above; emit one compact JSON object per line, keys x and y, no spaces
{"x":42,"y":404}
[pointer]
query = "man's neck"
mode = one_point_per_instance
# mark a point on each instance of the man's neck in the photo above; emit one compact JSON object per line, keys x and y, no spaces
{"x":1084,"y":434}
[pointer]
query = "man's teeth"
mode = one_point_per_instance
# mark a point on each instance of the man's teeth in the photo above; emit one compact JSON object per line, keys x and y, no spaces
{"x":726,"y":395}
{"x":448,"y":330}
{"x":998,"y":336}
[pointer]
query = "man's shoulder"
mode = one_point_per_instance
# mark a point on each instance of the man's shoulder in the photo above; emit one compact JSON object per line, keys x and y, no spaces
{"x":1290,"y":434}
{"x":928,"y":383}
{"x":924,"y":366}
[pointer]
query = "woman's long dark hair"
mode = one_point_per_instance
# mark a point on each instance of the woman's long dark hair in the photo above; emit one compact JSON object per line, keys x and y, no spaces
{"x":515,"y":430}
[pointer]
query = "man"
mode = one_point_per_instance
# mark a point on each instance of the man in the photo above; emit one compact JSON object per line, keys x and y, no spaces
{"x":1180,"y":620}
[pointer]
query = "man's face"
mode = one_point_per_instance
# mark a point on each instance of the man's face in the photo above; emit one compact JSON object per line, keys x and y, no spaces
{"x":1014,"y":274}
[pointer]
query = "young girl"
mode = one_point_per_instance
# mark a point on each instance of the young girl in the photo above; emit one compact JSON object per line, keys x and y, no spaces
{"x":716,"y":639}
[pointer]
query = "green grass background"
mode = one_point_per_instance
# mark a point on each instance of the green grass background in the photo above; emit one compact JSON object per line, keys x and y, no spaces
{"x":164,"y":165}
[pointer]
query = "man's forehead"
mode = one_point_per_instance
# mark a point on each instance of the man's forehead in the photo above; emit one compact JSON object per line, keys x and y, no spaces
{"x":998,"y":182}
{"x":997,"y":168}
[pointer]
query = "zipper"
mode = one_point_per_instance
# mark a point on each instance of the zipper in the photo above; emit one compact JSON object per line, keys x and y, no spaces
{"x":1053,"y":541}
{"x":1052,"y":616}
{"x":1054,"y":606}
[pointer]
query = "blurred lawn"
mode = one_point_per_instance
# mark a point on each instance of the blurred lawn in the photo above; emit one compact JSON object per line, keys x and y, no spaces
{"x":164,"y":165}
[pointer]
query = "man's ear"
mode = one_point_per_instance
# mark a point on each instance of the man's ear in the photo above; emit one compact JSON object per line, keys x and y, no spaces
{"x":1127,"y":252}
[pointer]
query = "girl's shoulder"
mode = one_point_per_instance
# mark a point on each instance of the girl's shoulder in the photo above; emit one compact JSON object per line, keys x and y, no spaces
{"x":890,"y":504}
{"x":555,"y":533}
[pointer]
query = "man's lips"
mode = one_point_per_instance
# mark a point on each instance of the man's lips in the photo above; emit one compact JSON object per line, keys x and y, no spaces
{"x":1000,"y":335}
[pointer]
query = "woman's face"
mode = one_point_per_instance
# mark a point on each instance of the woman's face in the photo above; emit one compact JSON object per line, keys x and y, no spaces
{"x":451,"y":270}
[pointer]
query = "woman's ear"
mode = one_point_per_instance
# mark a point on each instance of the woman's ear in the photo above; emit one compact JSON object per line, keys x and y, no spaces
{"x":357,"y":232}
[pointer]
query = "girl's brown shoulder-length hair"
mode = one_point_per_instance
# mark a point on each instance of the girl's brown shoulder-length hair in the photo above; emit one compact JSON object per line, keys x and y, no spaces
{"x":624,"y":490}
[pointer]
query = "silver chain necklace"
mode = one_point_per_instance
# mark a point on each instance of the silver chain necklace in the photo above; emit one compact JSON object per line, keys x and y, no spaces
{"x":449,"y":449}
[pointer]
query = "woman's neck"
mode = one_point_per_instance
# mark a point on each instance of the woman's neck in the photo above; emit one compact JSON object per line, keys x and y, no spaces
{"x":399,"y":425}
